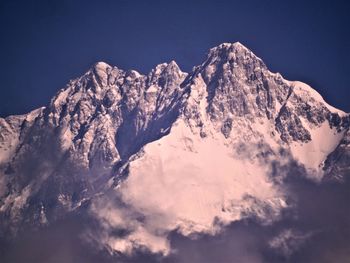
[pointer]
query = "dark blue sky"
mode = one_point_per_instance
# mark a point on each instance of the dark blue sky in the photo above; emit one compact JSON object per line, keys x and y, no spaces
{"x":45,"y":43}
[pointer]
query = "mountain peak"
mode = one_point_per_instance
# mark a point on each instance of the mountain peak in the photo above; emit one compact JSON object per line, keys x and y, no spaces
{"x":236,"y":45}
{"x":235,"y":54}
{"x":100,"y":65}
{"x":172,"y":65}
{"x":112,"y":131}
{"x":228,"y":48}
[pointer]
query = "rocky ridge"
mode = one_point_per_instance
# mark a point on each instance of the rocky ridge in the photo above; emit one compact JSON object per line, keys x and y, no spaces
{"x":54,"y":160}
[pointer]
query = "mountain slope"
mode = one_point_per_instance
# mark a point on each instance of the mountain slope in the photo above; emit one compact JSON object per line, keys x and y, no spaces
{"x":150,"y":154}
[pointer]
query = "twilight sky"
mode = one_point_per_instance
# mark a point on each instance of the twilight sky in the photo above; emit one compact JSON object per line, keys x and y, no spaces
{"x":46,"y":43}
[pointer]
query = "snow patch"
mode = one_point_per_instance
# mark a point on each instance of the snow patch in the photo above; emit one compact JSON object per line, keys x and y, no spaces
{"x":313,"y":153}
{"x":186,"y":183}
{"x":304,"y":91}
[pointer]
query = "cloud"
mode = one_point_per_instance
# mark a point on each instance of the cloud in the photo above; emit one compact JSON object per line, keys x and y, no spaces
{"x":288,"y":241}
{"x":314,"y":228}
{"x":60,"y":242}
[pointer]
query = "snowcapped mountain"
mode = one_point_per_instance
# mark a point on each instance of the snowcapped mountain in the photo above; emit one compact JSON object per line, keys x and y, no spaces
{"x":145,"y":155}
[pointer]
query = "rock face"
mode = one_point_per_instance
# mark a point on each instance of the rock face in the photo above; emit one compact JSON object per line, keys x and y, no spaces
{"x":68,"y":150}
{"x":104,"y":130}
{"x":337,"y":163}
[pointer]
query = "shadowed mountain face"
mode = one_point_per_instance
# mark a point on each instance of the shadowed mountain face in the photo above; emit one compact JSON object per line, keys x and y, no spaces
{"x":174,"y":160}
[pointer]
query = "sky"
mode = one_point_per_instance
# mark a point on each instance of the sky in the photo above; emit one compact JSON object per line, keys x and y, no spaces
{"x":44,"y":44}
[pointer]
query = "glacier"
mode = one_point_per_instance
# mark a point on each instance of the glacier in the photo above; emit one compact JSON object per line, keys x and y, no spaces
{"x":147,"y":155}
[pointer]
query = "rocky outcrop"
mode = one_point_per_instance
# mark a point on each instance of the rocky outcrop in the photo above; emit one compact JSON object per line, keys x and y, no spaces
{"x":55,"y":159}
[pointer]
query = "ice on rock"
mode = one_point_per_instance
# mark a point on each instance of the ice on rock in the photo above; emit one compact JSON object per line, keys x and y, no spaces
{"x":306,"y":91}
{"x":179,"y":151}
{"x":100,"y":69}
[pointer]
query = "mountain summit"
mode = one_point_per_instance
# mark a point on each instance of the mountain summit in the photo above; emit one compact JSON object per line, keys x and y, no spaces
{"x":145,"y":155}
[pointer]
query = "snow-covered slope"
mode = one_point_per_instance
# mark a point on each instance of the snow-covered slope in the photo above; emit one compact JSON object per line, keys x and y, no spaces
{"x":168,"y":151}
{"x":191,"y":184}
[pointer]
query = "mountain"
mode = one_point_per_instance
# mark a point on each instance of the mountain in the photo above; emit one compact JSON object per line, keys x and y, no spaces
{"x":146,"y":155}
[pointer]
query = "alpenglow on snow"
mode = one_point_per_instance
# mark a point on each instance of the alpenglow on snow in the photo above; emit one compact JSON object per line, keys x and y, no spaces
{"x":168,"y":151}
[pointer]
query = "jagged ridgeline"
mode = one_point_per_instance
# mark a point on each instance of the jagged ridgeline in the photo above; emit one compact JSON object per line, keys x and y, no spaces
{"x":184,"y":150}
